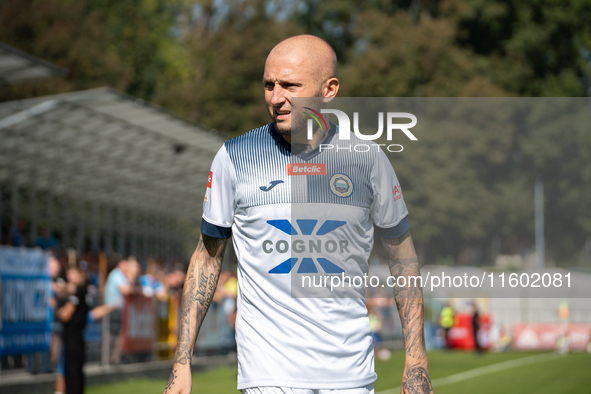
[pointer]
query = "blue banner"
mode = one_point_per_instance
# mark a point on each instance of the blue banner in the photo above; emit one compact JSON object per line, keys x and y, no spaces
{"x":25,"y":288}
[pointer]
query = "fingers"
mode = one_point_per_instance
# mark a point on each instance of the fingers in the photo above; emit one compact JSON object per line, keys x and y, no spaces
{"x":179,"y":381}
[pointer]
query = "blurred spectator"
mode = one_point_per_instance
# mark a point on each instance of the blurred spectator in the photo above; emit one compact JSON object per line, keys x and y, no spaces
{"x":119,"y":285}
{"x":46,"y":240}
{"x":132,"y":273}
{"x":225,"y":296}
{"x":41,"y":362}
{"x":19,"y":234}
{"x":151,"y":284}
{"x":219,"y":334}
{"x":116,"y":283}
{"x":446,"y":320}
{"x":231,"y":289}
{"x":60,"y":298}
{"x":60,"y":295}
{"x":476,"y":327}
{"x":563,"y":341}
{"x":175,"y":280}
{"x":499,"y":338}
{"x":74,"y":316}
{"x":376,"y":323}
{"x":92,"y":316}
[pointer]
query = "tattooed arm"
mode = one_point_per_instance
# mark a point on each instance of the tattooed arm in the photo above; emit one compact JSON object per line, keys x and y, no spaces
{"x":202,"y":279}
{"x":403,"y":262}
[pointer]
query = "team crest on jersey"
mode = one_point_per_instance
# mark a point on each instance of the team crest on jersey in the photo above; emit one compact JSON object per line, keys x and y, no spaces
{"x":341,"y":185}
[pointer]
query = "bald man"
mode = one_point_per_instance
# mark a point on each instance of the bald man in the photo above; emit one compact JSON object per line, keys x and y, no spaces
{"x":289,"y":206}
{"x":301,"y":66}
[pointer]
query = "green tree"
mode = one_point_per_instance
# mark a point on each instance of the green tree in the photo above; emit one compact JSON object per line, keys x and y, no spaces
{"x":145,"y":35}
{"x":531,"y":47}
{"x":228,"y":57}
{"x":67,"y":34}
{"x":130,"y":45}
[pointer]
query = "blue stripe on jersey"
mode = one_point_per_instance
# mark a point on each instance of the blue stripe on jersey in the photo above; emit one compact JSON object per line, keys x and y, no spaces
{"x":394,"y":232}
{"x":213,"y":231}
{"x":260,"y":158}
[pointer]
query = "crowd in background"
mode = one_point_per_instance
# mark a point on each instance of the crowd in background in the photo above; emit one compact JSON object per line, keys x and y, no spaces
{"x":81,"y":297}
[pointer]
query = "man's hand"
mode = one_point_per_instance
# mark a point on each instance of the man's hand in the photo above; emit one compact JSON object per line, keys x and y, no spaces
{"x":180,"y":380}
{"x":416,"y":380}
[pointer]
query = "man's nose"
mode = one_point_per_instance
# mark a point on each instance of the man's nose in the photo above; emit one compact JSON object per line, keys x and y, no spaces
{"x":278,"y":96}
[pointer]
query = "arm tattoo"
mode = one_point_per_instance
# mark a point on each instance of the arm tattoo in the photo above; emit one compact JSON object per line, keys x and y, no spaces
{"x":170,"y":381}
{"x":206,"y":264}
{"x":417,"y":381}
{"x":409,"y":300}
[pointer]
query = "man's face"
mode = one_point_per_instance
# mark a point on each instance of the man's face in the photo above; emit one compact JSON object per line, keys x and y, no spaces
{"x":54,"y":267}
{"x":288,"y":76}
{"x":75,"y":277}
{"x":133,"y":270}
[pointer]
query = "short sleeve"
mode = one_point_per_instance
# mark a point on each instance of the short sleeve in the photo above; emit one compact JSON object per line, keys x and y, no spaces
{"x":388,"y":210}
{"x":218,"y":204}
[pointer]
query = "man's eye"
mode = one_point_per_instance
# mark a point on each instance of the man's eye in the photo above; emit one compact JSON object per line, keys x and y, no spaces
{"x":269,"y":85}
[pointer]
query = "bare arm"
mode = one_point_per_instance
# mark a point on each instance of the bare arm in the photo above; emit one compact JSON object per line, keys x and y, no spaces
{"x":101,"y":311}
{"x":126,"y":290}
{"x":403,"y":262}
{"x":202,"y":278}
{"x":66,"y":312}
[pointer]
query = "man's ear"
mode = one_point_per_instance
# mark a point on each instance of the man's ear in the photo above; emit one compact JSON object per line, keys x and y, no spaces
{"x":331,"y":88}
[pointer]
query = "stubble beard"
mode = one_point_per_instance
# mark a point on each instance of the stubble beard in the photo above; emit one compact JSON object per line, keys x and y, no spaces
{"x":299,"y":124}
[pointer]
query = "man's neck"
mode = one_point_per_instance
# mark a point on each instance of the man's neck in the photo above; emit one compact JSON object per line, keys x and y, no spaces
{"x":304,"y":145}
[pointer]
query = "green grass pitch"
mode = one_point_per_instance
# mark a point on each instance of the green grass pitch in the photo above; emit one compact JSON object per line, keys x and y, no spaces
{"x":564,"y":374}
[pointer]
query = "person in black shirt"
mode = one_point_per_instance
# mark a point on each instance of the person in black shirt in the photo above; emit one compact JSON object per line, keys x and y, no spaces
{"x":74,"y":314}
{"x":476,"y":327}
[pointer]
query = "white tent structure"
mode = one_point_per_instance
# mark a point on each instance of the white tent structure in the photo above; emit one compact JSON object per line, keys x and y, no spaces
{"x":18,"y":66}
{"x":105,"y":170}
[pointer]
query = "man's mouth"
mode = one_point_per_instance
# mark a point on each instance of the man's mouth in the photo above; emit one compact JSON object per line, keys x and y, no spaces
{"x":282,"y":115}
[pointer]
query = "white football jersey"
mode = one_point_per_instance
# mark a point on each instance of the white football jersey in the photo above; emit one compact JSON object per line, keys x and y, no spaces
{"x":292,"y":216}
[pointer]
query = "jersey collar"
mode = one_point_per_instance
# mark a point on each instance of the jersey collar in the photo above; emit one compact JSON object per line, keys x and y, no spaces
{"x":308,"y":155}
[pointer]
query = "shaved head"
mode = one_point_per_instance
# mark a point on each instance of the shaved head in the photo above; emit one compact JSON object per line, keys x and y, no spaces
{"x":314,"y":51}
{"x":300,"y":66}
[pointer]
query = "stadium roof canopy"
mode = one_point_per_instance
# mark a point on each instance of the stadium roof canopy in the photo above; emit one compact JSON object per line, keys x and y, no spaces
{"x":18,"y":66}
{"x":102,"y":146}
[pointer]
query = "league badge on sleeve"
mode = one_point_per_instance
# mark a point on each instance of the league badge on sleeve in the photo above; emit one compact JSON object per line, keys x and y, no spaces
{"x":208,"y":191}
{"x":341,"y":185}
{"x":397,"y":192}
